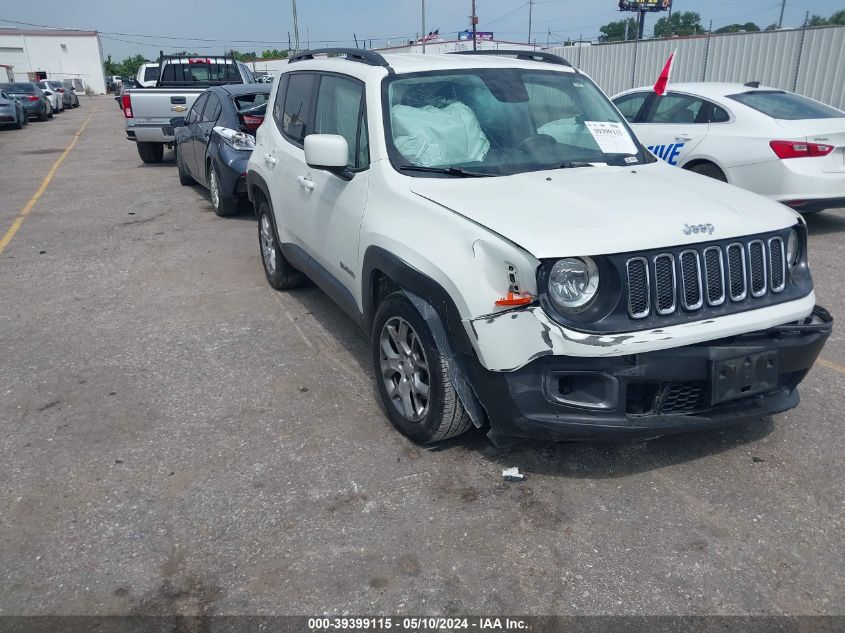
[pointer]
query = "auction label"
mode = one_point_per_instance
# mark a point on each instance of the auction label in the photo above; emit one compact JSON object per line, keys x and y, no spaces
{"x":612,"y":138}
{"x":423,"y":623}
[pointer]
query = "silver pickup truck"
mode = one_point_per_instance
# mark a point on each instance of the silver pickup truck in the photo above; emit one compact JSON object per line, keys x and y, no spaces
{"x":181,"y":80}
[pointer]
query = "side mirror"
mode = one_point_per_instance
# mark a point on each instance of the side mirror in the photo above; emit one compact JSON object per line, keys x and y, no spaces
{"x":329,"y":152}
{"x":48,"y":93}
{"x":177,"y":121}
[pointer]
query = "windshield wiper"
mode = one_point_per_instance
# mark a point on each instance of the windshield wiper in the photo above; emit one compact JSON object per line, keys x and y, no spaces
{"x":451,"y":171}
{"x":573,"y":164}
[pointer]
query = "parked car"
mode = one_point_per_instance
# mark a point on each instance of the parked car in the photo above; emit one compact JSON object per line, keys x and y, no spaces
{"x":148,"y":111}
{"x":65,"y":93}
{"x":53,"y":95}
{"x":504,"y":242}
{"x":75,"y":86}
{"x":34,"y":101}
{"x":147,"y":75}
{"x":215,"y":140}
{"x":11,"y":111}
{"x":776,"y":143}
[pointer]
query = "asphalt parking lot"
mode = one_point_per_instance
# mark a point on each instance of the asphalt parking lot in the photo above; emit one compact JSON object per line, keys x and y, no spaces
{"x":177,"y":437}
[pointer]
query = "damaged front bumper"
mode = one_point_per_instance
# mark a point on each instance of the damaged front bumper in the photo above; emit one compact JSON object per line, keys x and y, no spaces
{"x":679,"y":389}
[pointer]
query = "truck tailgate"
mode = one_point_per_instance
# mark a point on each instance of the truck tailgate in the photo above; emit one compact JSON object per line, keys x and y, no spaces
{"x":152,"y":109}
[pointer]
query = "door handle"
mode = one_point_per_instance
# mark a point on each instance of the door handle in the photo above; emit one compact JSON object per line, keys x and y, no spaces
{"x":683,"y":137}
{"x":268,"y":158}
{"x":305,"y":183}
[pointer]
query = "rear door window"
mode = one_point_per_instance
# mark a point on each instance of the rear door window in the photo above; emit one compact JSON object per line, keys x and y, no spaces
{"x":296,"y":115}
{"x":677,"y":109}
{"x":786,"y":105}
{"x":339,"y":110}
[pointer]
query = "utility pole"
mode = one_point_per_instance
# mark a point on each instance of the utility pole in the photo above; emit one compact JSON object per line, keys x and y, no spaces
{"x":641,"y":28}
{"x":295,"y":25}
{"x":474,"y":19}
{"x":530,"y":7}
{"x":423,"y":27}
{"x":780,"y":20}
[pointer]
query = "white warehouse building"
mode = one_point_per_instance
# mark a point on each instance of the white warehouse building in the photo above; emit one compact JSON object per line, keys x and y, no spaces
{"x":53,"y":54}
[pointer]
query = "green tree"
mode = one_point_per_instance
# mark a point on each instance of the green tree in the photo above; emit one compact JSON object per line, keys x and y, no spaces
{"x":242,"y":57}
{"x":110,"y":67}
{"x":615,"y":31}
{"x":816,"y":20}
{"x":274,"y":53}
{"x":772,"y":27}
{"x":129,"y":66}
{"x":681,"y":23}
{"x":838,"y":17}
{"x":737,"y":28}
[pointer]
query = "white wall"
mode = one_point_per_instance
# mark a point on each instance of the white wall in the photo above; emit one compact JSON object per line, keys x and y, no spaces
{"x":61,"y":56}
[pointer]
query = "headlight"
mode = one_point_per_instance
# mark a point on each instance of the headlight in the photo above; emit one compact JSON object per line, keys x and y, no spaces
{"x":573,"y":282}
{"x":793,"y":248}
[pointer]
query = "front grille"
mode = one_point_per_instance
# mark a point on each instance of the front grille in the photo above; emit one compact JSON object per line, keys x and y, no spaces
{"x":712,"y":275}
{"x":665,"y":284}
{"x":777,"y":261}
{"x":691,"y":277}
{"x":757,"y":266}
{"x":638,"y":301}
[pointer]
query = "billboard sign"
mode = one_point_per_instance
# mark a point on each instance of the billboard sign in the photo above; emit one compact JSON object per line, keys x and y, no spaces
{"x":645,"y":5}
{"x":479,"y":35}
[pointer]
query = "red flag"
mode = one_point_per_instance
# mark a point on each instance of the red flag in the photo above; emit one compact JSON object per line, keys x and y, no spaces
{"x":663,"y":80}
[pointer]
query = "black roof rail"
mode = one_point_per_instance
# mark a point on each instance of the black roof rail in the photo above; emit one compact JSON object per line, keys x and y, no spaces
{"x":371,"y":58}
{"x":752,"y":84}
{"x":533,"y":56}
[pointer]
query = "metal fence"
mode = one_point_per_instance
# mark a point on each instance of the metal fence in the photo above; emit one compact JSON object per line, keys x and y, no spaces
{"x":807,"y":61}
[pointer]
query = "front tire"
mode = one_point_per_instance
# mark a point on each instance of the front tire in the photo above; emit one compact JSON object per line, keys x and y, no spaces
{"x":710,"y":170}
{"x":411,"y":375}
{"x":184,"y":177}
{"x":223,"y":206}
{"x":150,"y":152}
{"x":278,"y":270}
{"x":50,"y":111}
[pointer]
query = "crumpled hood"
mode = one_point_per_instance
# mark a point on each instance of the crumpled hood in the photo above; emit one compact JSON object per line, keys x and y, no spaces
{"x":603,"y":210}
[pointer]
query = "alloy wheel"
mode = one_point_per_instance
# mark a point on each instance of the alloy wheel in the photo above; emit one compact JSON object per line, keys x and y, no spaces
{"x":404,"y":369}
{"x":215,"y":190}
{"x":268,"y":245}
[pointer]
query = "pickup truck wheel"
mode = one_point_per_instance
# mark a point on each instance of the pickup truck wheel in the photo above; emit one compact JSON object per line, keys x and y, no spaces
{"x":280,"y":274}
{"x":184,"y":177}
{"x":150,"y":152}
{"x":223,"y":206}
{"x":411,"y":376}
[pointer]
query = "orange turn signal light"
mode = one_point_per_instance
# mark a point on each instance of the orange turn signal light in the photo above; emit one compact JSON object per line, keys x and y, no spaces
{"x":514,"y":300}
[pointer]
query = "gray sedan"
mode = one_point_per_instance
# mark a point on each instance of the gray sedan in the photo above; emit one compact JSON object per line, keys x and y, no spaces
{"x":11,"y":111}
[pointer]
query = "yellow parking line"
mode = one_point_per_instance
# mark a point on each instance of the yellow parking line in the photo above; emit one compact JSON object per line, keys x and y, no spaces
{"x":829,"y":365}
{"x":28,"y":207}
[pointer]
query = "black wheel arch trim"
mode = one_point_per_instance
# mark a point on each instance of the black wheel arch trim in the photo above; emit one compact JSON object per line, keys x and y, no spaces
{"x":404,"y":275}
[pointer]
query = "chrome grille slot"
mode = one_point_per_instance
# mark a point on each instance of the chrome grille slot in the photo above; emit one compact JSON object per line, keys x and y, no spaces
{"x":736,"y":272}
{"x":638,"y":288}
{"x":691,"y":280}
{"x":777,"y":264}
{"x":665,"y":284}
{"x":714,"y":275}
{"x":757,"y":267}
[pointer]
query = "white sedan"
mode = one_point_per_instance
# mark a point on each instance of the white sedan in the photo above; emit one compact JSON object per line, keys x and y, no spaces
{"x":775,"y":143}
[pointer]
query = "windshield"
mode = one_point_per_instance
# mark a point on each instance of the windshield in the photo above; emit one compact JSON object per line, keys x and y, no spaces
{"x":502,"y":121}
{"x":786,"y":106}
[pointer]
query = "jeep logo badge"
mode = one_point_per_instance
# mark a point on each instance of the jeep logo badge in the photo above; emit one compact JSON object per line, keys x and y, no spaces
{"x":689,"y":229}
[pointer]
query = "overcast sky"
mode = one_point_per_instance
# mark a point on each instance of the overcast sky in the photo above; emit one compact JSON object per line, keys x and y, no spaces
{"x":152,"y":22}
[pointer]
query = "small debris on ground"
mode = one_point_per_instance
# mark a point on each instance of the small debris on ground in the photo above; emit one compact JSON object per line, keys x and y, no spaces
{"x":756,"y":459}
{"x":512,"y":474}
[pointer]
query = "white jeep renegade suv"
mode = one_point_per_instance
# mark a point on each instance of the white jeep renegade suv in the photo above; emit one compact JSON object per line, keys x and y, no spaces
{"x":518,"y":259}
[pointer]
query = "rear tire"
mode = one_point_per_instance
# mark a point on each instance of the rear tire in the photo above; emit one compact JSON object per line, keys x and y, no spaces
{"x":184,"y":177}
{"x":280,"y":274}
{"x":710,"y":170}
{"x":411,"y":375}
{"x":150,"y":152}
{"x":223,"y":206}
{"x":50,"y":111}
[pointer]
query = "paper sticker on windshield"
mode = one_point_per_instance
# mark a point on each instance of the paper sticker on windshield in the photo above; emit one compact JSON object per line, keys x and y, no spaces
{"x":612,"y":138}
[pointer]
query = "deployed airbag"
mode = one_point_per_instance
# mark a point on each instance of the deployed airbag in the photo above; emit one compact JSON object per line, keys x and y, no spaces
{"x":431,"y":136}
